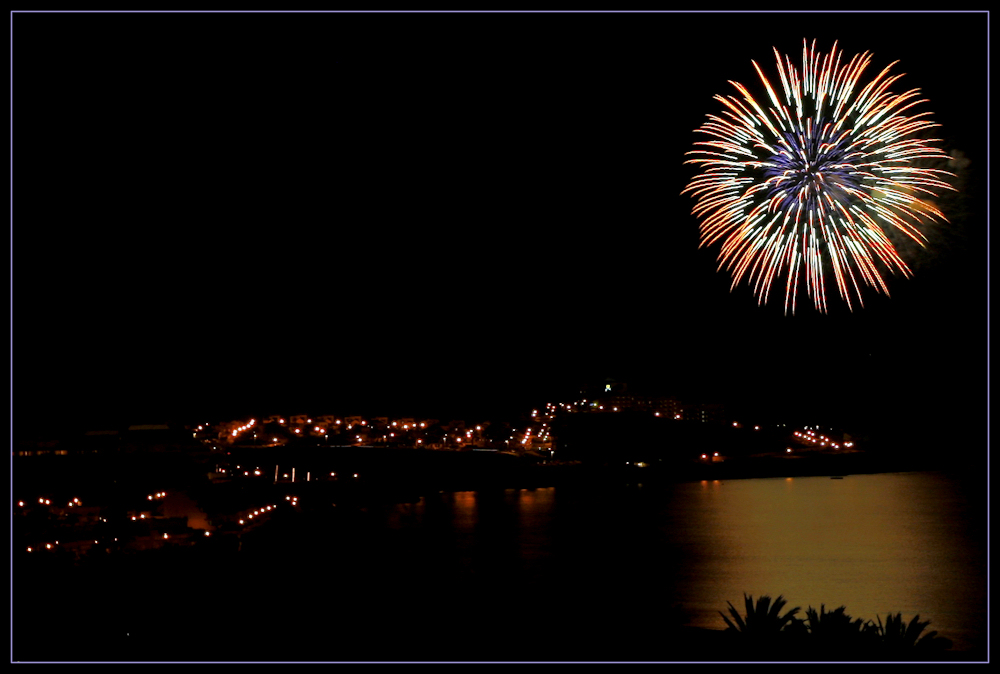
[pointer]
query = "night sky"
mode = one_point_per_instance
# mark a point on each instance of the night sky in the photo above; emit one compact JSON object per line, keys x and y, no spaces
{"x":224,"y":215}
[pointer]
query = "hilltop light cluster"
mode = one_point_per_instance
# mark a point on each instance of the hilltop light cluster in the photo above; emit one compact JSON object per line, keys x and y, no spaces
{"x":533,"y":434}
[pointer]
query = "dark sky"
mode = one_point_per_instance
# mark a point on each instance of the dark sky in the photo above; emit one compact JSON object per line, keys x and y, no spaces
{"x":219,"y":215}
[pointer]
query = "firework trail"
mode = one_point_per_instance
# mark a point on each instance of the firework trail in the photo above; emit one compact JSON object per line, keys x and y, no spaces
{"x":811,"y":183}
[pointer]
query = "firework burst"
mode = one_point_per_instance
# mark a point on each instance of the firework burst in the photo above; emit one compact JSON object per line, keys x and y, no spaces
{"x":814,"y":183}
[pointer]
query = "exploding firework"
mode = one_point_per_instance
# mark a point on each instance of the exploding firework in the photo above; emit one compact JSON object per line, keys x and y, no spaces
{"x":817,"y":182}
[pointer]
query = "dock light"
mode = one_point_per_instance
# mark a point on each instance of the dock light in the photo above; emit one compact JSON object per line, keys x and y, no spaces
{"x":208,"y":533}
{"x":149,"y":498}
{"x":241,"y":521}
{"x":41,"y":500}
{"x":142,"y":516}
{"x":48,"y":502}
{"x":48,"y":546}
{"x":716,"y":454}
{"x":29,"y":549}
{"x":704,"y":456}
{"x":21,"y":503}
{"x":164,"y":535}
{"x":133,"y":517}
{"x":788,"y":450}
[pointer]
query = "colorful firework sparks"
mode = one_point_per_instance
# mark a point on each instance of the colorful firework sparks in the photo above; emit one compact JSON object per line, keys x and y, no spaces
{"x":813,"y":182}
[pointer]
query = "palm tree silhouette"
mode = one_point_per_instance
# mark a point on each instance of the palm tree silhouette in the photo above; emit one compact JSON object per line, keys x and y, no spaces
{"x":835,"y":635}
{"x":761,"y":629}
{"x":762,"y":618}
{"x":897,"y":638}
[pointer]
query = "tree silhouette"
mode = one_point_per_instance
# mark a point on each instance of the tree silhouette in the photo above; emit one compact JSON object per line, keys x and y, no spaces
{"x":764,"y":632}
{"x":760,"y":630}
{"x":896,"y":638}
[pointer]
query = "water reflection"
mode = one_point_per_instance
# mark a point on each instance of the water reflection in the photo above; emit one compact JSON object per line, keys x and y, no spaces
{"x":904,"y":542}
{"x":875,"y":543}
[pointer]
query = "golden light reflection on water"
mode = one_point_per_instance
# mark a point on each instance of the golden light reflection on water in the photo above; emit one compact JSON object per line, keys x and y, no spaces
{"x":873,"y":543}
